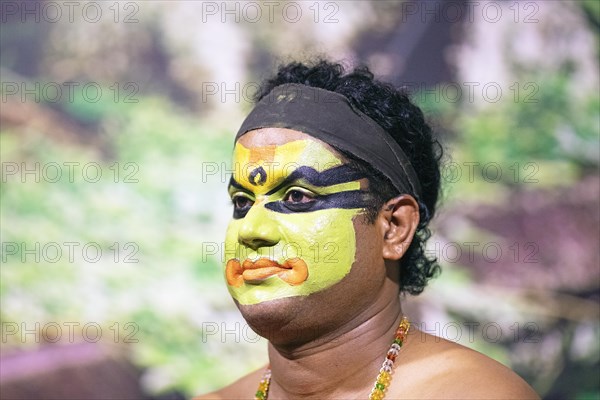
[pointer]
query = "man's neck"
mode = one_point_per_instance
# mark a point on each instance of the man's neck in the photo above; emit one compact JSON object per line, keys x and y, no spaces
{"x":341,"y":364}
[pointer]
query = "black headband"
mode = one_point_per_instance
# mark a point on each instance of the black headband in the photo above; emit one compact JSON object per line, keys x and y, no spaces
{"x":330,"y":117}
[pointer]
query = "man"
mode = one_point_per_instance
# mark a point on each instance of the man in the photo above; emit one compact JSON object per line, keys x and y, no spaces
{"x":336,"y":179}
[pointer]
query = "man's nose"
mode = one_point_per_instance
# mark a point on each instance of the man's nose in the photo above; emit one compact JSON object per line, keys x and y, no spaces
{"x":259,"y":229}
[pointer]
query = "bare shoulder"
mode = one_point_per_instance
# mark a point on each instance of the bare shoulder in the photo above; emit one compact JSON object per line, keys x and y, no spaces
{"x":439,"y":369}
{"x":243,"y":388}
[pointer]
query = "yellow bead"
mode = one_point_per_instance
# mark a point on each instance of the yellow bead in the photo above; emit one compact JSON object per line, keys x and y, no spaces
{"x":384,"y":378}
{"x":376,"y":395}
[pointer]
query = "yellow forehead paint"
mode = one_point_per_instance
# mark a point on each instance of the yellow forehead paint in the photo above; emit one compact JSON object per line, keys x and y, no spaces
{"x":323,"y":239}
{"x":277,"y":162}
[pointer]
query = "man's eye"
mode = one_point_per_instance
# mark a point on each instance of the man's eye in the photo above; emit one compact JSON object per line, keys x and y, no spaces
{"x":297,"y":196}
{"x":241,"y":202}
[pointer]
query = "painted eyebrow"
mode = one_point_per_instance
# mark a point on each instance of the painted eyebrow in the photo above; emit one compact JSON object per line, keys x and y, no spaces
{"x":330,"y":177}
{"x":236,"y":184}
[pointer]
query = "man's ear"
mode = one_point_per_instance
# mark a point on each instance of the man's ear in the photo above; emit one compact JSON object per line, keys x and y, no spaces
{"x":399,"y":220}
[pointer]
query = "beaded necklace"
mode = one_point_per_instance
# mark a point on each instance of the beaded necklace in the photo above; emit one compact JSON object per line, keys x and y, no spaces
{"x":383,"y":379}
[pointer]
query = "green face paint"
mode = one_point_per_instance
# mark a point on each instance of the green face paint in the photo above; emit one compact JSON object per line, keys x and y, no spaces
{"x":295,"y":206}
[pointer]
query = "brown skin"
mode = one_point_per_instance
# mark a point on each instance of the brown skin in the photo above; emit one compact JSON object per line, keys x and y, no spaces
{"x":331,"y":344}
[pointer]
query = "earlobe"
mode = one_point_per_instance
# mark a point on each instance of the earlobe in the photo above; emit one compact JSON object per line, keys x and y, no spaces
{"x":401,"y":218}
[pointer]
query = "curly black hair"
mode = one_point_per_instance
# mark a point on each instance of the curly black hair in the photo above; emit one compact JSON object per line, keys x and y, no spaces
{"x":392,"y":109}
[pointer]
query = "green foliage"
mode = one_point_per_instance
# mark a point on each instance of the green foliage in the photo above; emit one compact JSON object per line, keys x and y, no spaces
{"x":541,"y":135}
{"x":544,"y":123}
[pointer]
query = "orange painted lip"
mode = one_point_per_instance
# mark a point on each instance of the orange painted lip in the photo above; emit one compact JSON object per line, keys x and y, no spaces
{"x":293,"y":271}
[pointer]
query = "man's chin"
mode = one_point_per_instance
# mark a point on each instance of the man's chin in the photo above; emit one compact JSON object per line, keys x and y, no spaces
{"x":282,"y":321}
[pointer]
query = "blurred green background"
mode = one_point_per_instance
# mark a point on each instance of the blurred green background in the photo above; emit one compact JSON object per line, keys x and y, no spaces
{"x":117,"y":120}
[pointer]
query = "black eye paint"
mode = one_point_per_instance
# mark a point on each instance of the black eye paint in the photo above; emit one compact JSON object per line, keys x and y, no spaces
{"x":235,"y":184}
{"x":346,"y":200}
{"x":240,"y":213}
{"x":330,"y":177}
{"x":333,"y":176}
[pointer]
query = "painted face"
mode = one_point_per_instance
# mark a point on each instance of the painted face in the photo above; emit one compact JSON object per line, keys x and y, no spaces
{"x":292,"y":232}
